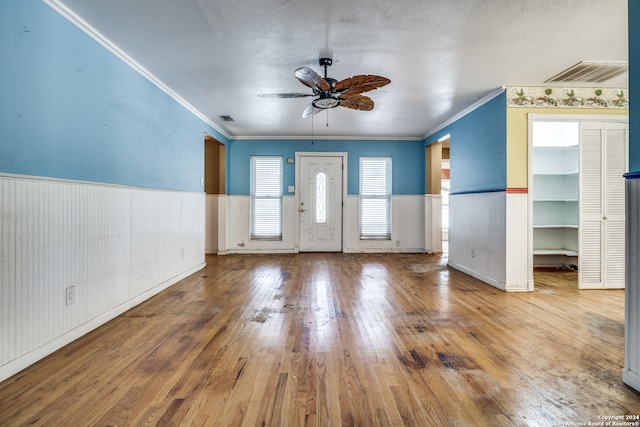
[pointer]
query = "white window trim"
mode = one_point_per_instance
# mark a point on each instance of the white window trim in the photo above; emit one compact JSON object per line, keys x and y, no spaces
{"x":384,"y":232}
{"x":266,"y":194}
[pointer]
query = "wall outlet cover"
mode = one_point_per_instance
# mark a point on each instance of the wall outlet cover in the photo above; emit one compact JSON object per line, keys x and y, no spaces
{"x":70,"y":295}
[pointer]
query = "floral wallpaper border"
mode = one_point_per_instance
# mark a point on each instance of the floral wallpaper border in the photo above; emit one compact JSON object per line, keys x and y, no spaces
{"x":558,"y":97}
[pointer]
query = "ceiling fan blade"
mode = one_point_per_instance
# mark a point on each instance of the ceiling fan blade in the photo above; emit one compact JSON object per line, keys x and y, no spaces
{"x":312,"y":79}
{"x":356,"y":85}
{"x":310,"y":110}
{"x":285,"y":95}
{"x":357,"y":102}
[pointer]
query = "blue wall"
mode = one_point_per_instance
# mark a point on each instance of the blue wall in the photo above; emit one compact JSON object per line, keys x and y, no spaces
{"x":408,"y":172}
{"x":634,"y":86}
{"x":71,"y":109}
{"x":478,"y":148}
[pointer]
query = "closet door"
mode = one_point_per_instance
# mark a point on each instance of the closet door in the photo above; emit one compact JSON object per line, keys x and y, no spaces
{"x":615,"y":161}
{"x":603,"y":161}
{"x":590,"y":268}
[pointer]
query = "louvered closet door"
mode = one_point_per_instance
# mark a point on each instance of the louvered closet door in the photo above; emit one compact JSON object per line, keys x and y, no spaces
{"x":603,"y":162}
{"x":590,"y":268}
{"x":615,"y":161}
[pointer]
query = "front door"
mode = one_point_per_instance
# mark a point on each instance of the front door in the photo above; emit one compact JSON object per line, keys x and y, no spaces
{"x":320,"y":202}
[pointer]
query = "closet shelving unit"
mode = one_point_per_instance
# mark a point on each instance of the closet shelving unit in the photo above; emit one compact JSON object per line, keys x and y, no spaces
{"x":556,"y":190}
{"x":578,"y":199}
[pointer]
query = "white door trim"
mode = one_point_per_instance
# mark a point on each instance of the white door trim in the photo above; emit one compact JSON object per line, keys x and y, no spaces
{"x":300,"y":154}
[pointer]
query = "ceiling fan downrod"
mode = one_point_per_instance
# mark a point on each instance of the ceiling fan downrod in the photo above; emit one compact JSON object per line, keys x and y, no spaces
{"x":325,"y":62}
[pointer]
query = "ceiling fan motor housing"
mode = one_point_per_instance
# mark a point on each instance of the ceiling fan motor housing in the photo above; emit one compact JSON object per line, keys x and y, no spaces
{"x":325,"y":62}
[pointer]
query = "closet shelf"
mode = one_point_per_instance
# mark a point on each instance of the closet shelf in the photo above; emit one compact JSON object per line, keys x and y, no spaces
{"x":555,"y":251}
{"x":556,"y":226}
{"x":554,"y":174}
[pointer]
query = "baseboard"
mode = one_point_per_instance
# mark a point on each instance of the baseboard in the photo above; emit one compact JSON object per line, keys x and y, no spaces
{"x":518,"y":288}
{"x":384,"y":251}
{"x":15,"y":366}
{"x":478,"y":276}
{"x":632,"y":379}
{"x":257,"y":251}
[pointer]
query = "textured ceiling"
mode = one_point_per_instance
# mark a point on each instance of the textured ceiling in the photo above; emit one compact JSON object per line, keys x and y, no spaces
{"x":441,"y":55}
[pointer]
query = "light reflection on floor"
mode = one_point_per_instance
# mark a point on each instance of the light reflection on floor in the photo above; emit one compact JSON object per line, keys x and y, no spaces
{"x":323,"y":309}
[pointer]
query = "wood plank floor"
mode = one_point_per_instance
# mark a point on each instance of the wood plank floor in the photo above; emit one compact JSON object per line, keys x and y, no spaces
{"x":338,"y":339}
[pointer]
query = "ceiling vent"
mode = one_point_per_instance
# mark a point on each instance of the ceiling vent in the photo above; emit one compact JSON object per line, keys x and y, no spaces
{"x":227,"y":118}
{"x":590,"y":72}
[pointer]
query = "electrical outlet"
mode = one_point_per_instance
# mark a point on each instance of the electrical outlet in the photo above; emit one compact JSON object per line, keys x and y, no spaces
{"x":70,"y":293}
{"x":473,"y":252}
{"x":181,"y":253}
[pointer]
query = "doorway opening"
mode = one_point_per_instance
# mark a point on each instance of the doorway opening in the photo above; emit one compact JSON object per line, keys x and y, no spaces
{"x":438,"y":187}
{"x":215,"y":170}
{"x":445,"y":189}
{"x":555,"y":194}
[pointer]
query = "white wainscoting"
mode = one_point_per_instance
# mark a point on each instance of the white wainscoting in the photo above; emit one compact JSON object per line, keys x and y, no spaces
{"x":407,"y":226}
{"x":237,"y":228}
{"x":477,"y":236}
{"x":433,"y":223}
{"x":117,"y":246}
{"x":517,"y":246}
{"x":212,"y":223}
{"x":222,"y":221}
{"x":631,"y":372}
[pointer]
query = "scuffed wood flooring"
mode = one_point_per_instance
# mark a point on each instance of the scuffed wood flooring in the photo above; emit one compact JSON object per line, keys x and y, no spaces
{"x":338,"y":339}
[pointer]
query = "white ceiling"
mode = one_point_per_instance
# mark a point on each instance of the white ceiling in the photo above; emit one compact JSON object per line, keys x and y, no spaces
{"x":442,"y":56}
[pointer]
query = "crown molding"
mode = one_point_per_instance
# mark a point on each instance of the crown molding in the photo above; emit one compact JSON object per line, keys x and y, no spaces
{"x":76,"y":20}
{"x":327,"y":138}
{"x":467,"y":110}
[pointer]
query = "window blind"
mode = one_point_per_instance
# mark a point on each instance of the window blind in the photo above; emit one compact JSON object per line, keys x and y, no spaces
{"x":266,"y":197}
{"x":375,"y":198}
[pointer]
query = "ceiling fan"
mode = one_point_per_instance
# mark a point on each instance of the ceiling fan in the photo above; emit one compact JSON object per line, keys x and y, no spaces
{"x":332,"y":93}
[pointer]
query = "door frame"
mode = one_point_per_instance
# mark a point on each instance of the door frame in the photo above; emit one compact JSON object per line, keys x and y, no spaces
{"x":300,"y":154}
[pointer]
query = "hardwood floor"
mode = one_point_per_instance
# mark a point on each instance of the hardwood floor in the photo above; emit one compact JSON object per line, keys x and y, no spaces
{"x":338,"y":339}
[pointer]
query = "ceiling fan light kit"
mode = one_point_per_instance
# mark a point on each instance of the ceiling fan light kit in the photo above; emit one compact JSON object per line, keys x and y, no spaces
{"x":325,"y":102}
{"x":332,"y":93}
